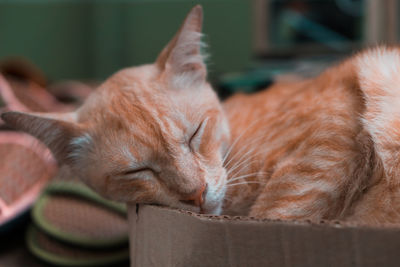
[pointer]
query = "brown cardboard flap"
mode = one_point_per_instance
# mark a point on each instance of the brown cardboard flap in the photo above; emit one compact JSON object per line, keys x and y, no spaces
{"x":166,"y":237}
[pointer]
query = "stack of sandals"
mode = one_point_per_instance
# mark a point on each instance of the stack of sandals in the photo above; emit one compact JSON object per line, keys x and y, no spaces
{"x":71,"y":225}
{"x":26,"y":165}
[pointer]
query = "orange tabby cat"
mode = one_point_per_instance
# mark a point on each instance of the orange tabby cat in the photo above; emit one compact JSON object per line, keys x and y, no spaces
{"x":325,"y":148}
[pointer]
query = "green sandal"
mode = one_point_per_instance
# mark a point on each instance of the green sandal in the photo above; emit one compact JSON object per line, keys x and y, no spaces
{"x":73,"y":213}
{"x":74,"y":226}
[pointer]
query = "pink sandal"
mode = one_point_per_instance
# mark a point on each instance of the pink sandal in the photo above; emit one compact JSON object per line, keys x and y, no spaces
{"x":26,"y":165}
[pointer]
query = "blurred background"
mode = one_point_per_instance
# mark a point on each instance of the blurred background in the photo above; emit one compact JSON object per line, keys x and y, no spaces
{"x":91,"y":39}
{"x":54,"y":52}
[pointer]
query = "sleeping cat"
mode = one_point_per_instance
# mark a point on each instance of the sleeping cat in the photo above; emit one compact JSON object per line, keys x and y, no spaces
{"x":324,"y":148}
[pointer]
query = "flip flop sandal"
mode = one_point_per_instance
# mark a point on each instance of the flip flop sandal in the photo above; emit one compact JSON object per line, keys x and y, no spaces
{"x":27,"y":86}
{"x":23,"y":69}
{"x":74,"y":214}
{"x":73,"y":92}
{"x":26,"y":75}
{"x":26,"y":165}
{"x":8,"y":100}
{"x":57,"y":253}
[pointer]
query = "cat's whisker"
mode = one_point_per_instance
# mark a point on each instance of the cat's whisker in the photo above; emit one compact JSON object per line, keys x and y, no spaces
{"x":254,"y":123}
{"x":240,"y":162}
{"x":248,"y":152}
{"x":243,"y":156}
{"x":245,"y":175}
{"x":242,"y":165}
{"x":254,"y":174}
{"x":248,"y":182}
{"x":246,"y":146}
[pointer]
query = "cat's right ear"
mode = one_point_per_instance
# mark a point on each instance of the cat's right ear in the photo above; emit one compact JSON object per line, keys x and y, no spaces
{"x":55,"y":130}
{"x":181,"y":60}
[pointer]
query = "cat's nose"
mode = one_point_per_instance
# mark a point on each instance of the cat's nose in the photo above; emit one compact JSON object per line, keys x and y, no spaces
{"x":197,"y":198}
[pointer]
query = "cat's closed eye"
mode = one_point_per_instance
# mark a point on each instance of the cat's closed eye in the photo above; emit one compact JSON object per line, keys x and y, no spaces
{"x":140,"y":173}
{"x":136,"y":171}
{"x":195,"y":140}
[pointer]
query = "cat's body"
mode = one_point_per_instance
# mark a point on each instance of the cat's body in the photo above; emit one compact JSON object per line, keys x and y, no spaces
{"x":307,"y":140}
{"x":324,"y":148}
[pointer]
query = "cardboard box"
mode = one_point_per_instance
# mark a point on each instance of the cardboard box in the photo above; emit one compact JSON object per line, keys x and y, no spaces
{"x":161,"y":236}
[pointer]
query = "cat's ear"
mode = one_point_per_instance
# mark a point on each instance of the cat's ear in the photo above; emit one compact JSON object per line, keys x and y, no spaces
{"x":181,"y":59}
{"x":55,"y":130}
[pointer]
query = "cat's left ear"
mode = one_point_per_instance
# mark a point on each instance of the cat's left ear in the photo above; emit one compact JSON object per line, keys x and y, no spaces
{"x":181,"y":59}
{"x":55,"y":130}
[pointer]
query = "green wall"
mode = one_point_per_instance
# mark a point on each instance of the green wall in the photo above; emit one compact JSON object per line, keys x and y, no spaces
{"x":93,"y":39}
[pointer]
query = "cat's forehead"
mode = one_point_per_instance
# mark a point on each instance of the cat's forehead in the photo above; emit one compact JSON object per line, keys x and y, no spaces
{"x":138,"y":92}
{"x":134,"y":102}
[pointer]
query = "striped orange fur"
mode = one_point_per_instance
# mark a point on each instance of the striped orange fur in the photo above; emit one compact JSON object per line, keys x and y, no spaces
{"x":323,"y":148}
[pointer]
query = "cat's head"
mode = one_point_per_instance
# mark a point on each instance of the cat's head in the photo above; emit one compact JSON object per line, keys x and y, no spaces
{"x":149,"y":134}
